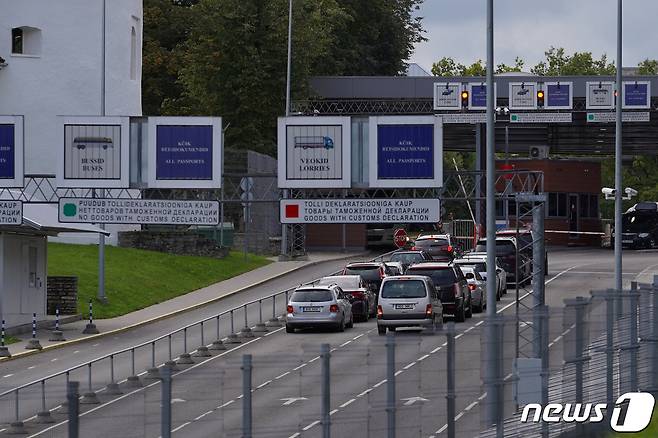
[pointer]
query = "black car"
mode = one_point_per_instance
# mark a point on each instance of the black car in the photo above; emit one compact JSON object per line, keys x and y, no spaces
{"x":451,"y":284}
{"x":372,"y":273}
{"x":407,"y":258}
{"x":640,"y":226}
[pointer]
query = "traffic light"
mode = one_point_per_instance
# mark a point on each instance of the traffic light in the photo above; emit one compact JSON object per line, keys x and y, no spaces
{"x":540,"y":98}
{"x":464,"y":99}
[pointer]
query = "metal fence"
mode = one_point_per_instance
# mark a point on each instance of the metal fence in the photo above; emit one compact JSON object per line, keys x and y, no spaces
{"x":135,"y":366}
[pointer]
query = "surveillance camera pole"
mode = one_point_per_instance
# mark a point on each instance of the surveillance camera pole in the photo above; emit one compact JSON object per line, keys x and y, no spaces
{"x":618,"y":155}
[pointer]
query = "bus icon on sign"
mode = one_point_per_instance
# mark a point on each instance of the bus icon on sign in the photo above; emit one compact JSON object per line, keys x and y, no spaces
{"x":314,"y":142}
{"x":522,"y":92}
{"x":84,"y":142}
{"x":447,"y":92}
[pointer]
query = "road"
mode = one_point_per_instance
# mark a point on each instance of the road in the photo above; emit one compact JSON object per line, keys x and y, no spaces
{"x":207,"y":397}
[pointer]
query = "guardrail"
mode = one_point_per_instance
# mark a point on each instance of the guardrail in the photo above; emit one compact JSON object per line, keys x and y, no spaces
{"x":155,"y":345}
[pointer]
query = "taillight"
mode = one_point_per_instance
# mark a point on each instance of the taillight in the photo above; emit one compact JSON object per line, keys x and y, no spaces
{"x":290,"y":309}
{"x":449,"y":248}
{"x":333,"y":308}
{"x":413,"y":248}
{"x":380,"y":312}
{"x":358,"y":295}
{"x":428,"y":310}
{"x":381,"y":272}
{"x":472,"y":286}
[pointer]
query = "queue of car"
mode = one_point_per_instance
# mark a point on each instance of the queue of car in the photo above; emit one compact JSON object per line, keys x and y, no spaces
{"x":417,"y":287}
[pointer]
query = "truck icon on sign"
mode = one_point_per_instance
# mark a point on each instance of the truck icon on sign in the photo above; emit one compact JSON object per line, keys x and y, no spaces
{"x":84,"y":142}
{"x":314,"y":142}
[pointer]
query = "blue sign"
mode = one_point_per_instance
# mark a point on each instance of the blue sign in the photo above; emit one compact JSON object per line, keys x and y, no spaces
{"x":558,"y":96}
{"x":478,"y":96}
{"x":636,"y":94}
{"x":7,"y":152}
{"x":184,"y":152}
{"x":405,"y":151}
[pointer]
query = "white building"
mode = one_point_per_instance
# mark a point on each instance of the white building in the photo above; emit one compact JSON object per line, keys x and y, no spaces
{"x":67,"y":57}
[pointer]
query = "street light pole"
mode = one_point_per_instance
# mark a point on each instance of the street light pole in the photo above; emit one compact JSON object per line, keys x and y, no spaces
{"x":618,"y":155}
{"x":101,"y":237}
{"x":284,"y":227}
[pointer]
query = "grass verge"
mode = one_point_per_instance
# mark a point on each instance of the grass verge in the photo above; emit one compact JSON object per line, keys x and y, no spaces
{"x":135,"y":279}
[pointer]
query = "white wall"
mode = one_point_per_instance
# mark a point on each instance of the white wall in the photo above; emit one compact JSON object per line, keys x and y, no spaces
{"x":14,"y":279}
{"x":65,"y":78}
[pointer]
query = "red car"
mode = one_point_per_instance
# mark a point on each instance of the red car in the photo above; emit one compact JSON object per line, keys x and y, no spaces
{"x":362,"y":298}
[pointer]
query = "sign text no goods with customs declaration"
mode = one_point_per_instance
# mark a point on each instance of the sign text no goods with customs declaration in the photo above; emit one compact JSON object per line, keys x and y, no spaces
{"x":138,"y":211}
{"x":355,"y":211}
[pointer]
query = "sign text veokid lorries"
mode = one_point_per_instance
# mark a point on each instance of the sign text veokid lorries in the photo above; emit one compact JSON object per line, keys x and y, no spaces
{"x":359,"y":211}
{"x":138,"y":211}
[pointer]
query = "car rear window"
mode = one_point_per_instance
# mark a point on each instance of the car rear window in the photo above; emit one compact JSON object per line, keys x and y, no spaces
{"x":440,"y":277}
{"x":503,"y":247}
{"x":407,"y":257}
{"x":368,"y":273}
{"x":478,"y":266}
{"x":344,"y":283}
{"x":404,"y":289}
{"x":431,"y":243}
{"x":313,"y":296}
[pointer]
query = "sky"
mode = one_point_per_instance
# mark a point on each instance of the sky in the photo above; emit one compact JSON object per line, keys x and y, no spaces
{"x":527,"y":28}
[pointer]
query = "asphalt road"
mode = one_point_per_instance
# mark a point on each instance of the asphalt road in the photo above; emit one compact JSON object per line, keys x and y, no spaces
{"x":287,"y":378}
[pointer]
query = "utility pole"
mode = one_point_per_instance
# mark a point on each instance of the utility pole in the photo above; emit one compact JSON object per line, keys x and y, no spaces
{"x":618,"y":154}
{"x":101,"y":237}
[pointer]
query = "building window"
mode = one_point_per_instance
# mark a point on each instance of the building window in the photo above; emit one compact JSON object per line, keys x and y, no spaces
{"x":557,"y":204}
{"x":133,"y":54}
{"x":594,"y":206}
{"x":17,"y":40}
{"x":26,"y":40}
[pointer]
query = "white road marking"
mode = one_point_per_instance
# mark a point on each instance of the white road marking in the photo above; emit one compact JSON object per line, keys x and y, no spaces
{"x":76,"y":352}
{"x":202,"y":415}
{"x":281,"y":376}
{"x":291,"y":400}
{"x":264,"y":384}
{"x":357,"y":337}
{"x":471,"y":406}
{"x":364,"y":392}
{"x":294,"y":435}
{"x":459,"y":335}
{"x":180,"y":427}
{"x":300,"y":367}
{"x":315,"y":423}
{"x":333,"y":412}
{"x":7,"y":375}
{"x":228,"y":403}
{"x":347,"y":403}
{"x":96,"y":345}
{"x":315,"y":358}
{"x":436,"y":349}
{"x":345,"y":343}
{"x":32,"y":367}
{"x":53,"y":360}
{"x":423,"y":357}
{"x":410,"y":365}
{"x":378,"y":384}
{"x":398,"y":372}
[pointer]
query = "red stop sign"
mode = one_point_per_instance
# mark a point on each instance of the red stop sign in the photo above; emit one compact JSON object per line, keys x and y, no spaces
{"x":507,"y":166}
{"x":400,"y":237}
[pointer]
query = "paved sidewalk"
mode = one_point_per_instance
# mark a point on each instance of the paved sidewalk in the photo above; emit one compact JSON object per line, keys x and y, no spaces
{"x":73,"y":330}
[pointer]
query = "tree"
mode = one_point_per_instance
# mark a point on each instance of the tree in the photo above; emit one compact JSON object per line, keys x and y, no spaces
{"x":376,"y":38}
{"x":518,"y":66}
{"x":166,"y":26}
{"x":557,"y":63}
{"x":648,"y":67}
{"x":447,"y":67}
{"x":235,"y":62}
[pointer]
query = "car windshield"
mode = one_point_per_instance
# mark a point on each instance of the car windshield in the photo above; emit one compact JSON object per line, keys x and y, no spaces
{"x":344,"y":283}
{"x":368,"y":273}
{"x":407,"y":257}
{"x":503,"y":247}
{"x":431,"y":243}
{"x":311,"y":295}
{"x":440,"y":277}
{"x":404,"y":289}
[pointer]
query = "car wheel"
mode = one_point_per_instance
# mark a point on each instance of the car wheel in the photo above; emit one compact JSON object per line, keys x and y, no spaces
{"x":289,"y":329}
{"x":341,"y":325}
{"x":437,"y":323}
{"x":351,"y":323}
{"x":460,"y":315}
{"x":469,"y":312}
{"x":381,"y":329}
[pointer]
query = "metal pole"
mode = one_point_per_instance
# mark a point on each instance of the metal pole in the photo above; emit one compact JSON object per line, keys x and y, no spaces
{"x":618,"y":154}
{"x":326,"y":390}
{"x":610,"y":298}
{"x":246,"y":399}
{"x":72,"y":397}
{"x":491,"y":380}
{"x":478,"y":168}
{"x":390,"y":384}
{"x":538,"y":277}
{"x":101,"y":236}
{"x":288,"y":71}
{"x":165,"y":418}
{"x":450,"y":356}
{"x":633,"y":344}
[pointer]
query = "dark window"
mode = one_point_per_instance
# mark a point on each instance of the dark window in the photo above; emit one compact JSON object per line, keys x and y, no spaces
{"x":552,"y":204}
{"x":500,"y":209}
{"x":503,"y":247}
{"x":562,"y":204}
{"x":404,"y":289}
{"x":594,"y":206}
{"x":368,"y":273}
{"x":440,"y":277}
{"x":17,"y":40}
{"x":311,"y":296}
{"x":584,"y":205}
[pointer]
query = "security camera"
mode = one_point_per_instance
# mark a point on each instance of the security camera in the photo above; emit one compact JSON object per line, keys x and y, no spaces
{"x":607,"y":191}
{"x":630,"y":192}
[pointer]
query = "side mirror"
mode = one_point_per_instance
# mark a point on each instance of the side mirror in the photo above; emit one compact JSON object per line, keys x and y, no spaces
{"x":469,"y":276}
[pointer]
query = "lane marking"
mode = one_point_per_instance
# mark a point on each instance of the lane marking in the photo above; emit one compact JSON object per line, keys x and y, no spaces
{"x":316,"y":422}
{"x":6,"y":376}
{"x":423,"y":357}
{"x":264,"y":384}
{"x":410,"y":365}
{"x":180,"y":427}
{"x":228,"y":403}
{"x":378,"y":384}
{"x":203,"y":415}
{"x":300,"y":367}
{"x":32,"y":367}
{"x":53,"y":360}
{"x":333,"y":412}
{"x":364,"y":392}
{"x":347,"y":403}
{"x":345,"y":343}
{"x":315,"y":358}
{"x":282,"y":375}
{"x":471,"y":406}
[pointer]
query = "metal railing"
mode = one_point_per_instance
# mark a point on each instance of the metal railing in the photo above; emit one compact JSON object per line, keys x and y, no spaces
{"x":154,"y":348}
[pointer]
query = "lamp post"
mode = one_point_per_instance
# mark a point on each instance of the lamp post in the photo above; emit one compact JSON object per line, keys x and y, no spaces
{"x":618,"y":154}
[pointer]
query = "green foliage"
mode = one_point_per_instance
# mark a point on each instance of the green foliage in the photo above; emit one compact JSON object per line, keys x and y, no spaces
{"x":136,"y":279}
{"x":641,"y":174}
{"x":229,"y":57}
{"x":648,"y":67}
{"x":518,"y":66}
{"x":558,"y":63}
{"x":447,"y":67}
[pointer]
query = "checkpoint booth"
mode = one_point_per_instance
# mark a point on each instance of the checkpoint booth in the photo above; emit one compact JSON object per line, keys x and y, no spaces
{"x":24,"y":258}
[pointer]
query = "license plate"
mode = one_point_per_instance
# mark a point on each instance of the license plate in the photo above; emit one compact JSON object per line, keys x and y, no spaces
{"x":626,"y":241}
{"x":404,"y":306}
{"x":311,"y":309}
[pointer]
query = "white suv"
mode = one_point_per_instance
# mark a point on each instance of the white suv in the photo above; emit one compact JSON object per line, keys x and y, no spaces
{"x":408,"y":301}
